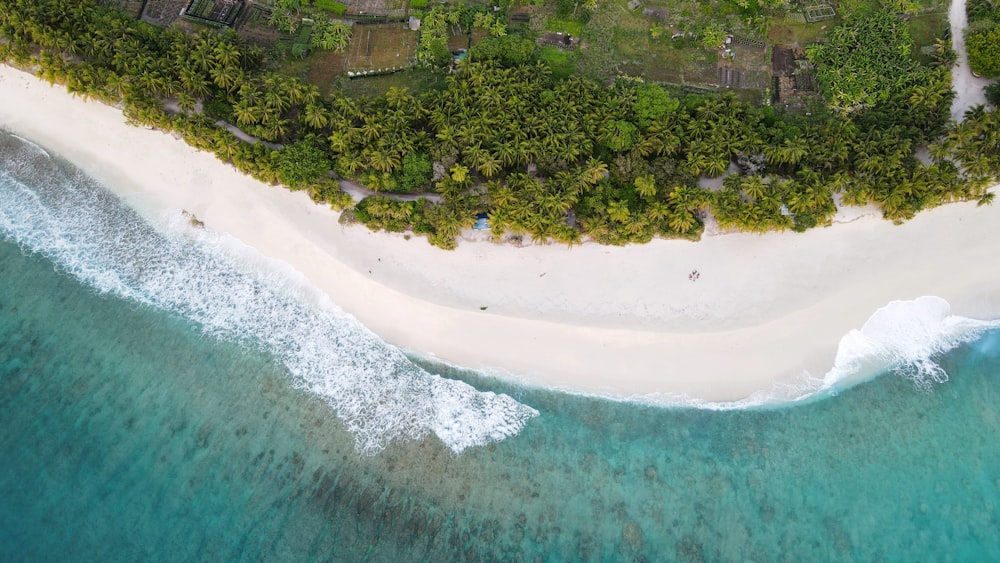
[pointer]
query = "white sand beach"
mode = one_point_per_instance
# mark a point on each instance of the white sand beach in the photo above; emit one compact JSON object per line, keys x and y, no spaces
{"x":593,"y":319}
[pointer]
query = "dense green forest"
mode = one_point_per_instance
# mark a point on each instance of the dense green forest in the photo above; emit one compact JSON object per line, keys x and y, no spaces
{"x":982,"y":37}
{"x":563,"y":159}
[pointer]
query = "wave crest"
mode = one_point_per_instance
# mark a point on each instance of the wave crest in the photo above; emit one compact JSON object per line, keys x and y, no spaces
{"x":903,"y":337}
{"x":233,"y":292}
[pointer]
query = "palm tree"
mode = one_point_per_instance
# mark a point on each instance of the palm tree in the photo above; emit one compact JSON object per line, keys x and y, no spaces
{"x":593,"y":171}
{"x":276,"y":129}
{"x":459,"y":174}
{"x":645,"y":186}
{"x":275,"y":98}
{"x":315,"y":116}
{"x":383,"y":161}
{"x":793,"y":150}
{"x":372,"y":128}
{"x":489,"y":167}
{"x":247,"y":113}
{"x":681,"y":220}
{"x":925,"y":96}
{"x":716,"y":166}
{"x":754,"y":188}
{"x":637,"y":225}
{"x":686,"y":197}
{"x":501,"y":196}
{"x":203,"y":60}
{"x":186,"y":101}
{"x":618,"y":211}
{"x":696,"y":162}
{"x":193,"y":81}
{"x":227,"y":54}
{"x":226,"y":77}
{"x":397,"y":98}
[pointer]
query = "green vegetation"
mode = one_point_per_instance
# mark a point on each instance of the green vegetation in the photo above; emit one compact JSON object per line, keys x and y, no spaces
{"x":418,"y":4}
{"x":302,"y":163}
{"x":993,"y":94}
{"x":573,"y":28}
{"x":549,"y":155}
{"x":866,"y":61}
{"x":286,"y":15}
{"x":331,"y":6}
{"x":335,"y":36}
{"x":509,"y":50}
{"x":440,"y":22}
{"x":301,"y":44}
{"x":415,"y":173}
{"x":982,"y":37}
{"x":984,"y":51}
{"x":558,"y":60}
{"x":433,"y":47}
{"x":653,"y":104}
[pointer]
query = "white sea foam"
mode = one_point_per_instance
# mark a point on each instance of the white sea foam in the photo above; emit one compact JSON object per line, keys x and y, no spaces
{"x":31,"y":144}
{"x":233,"y":292}
{"x":903,"y":337}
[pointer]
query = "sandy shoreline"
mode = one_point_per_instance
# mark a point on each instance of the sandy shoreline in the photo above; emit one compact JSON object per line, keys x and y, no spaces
{"x":614,"y":321}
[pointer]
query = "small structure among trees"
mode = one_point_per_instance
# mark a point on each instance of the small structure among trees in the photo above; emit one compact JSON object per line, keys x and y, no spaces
{"x":223,"y":12}
{"x":818,"y":11}
{"x":558,"y":39}
{"x":792,"y":79}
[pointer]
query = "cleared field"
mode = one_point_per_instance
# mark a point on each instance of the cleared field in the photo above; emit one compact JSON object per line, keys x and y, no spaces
{"x":683,"y":64}
{"x":325,"y":67}
{"x":131,"y":7}
{"x":163,"y":12}
{"x":379,"y":47}
{"x":415,"y":79}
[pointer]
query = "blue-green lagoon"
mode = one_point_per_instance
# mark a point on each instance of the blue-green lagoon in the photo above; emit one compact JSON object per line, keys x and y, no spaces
{"x":170,"y":396}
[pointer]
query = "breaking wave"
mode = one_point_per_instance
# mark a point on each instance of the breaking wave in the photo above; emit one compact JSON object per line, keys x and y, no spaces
{"x":903,"y":337}
{"x":232,"y":292}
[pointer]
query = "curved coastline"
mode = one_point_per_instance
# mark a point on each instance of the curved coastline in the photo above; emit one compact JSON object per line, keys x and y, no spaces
{"x":766,"y":312}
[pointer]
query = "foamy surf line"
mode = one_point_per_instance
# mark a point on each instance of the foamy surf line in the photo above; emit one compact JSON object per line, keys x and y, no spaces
{"x":233,"y":292}
{"x":904,"y":339}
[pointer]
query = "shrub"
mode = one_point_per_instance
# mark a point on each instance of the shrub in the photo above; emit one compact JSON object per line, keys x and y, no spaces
{"x":652,"y":103}
{"x":984,"y":52}
{"x":218,"y":108}
{"x":993,"y":94}
{"x":416,"y":172}
{"x":509,"y":50}
{"x":335,"y":36}
{"x":302,"y":163}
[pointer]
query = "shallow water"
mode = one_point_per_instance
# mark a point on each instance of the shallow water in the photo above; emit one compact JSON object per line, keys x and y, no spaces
{"x":132,"y":431}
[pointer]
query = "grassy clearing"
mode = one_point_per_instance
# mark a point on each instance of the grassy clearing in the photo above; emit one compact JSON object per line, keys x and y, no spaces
{"x":331,"y":6}
{"x":561,"y":62}
{"x":381,"y":46}
{"x":457,"y":40}
{"x":795,"y":31}
{"x":416,"y":79}
{"x":324,"y":69}
{"x":924,"y":29}
{"x":569,"y":27}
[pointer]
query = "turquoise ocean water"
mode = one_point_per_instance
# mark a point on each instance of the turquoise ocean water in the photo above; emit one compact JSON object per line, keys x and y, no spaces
{"x":166,"y":395}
